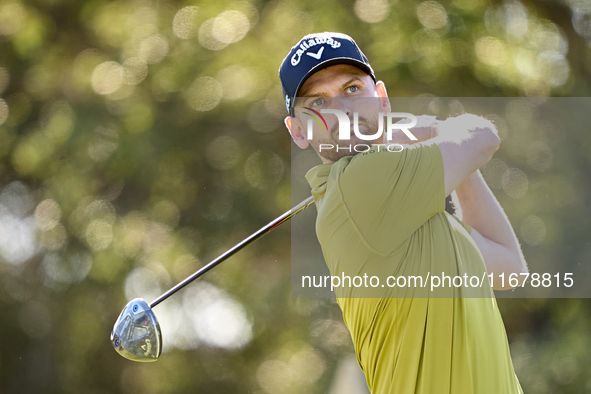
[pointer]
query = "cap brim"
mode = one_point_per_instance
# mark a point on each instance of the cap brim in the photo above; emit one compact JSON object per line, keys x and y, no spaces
{"x":327,"y":63}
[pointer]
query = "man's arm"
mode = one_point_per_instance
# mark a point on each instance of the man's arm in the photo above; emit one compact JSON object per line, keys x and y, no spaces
{"x":491,"y":229}
{"x":466,"y":143}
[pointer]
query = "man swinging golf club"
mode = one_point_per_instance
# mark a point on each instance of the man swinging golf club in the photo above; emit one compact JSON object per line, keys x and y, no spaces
{"x":381,"y":213}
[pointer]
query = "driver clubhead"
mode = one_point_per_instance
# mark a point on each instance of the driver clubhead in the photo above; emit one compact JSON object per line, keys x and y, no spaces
{"x":136,"y":334}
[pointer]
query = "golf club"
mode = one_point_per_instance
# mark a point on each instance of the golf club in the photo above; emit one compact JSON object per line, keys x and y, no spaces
{"x":136,"y":334}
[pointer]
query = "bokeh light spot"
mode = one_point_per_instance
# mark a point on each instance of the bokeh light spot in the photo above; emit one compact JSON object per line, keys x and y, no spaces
{"x":153,"y":49}
{"x":103,"y":142}
{"x":17,"y":198}
{"x":372,"y":11}
{"x":331,"y":334}
{"x":533,"y":230}
{"x":17,"y":238}
{"x":554,"y":68}
{"x":183,"y":24}
{"x":218,"y":319}
{"x":549,"y":37}
{"x":491,"y":51}
{"x":133,"y":228}
{"x":230,"y":27}
{"x":581,"y":21}
{"x":100,"y":210}
{"x":516,"y":20}
{"x":204,"y":94}
{"x":65,"y":270}
{"x":274,"y":376}
{"x":107,"y":77}
{"x":206,"y":37}
{"x":12,"y":18}
{"x":99,"y":234}
{"x":3,"y":111}
{"x":135,"y":71}
{"x":307,"y":365}
{"x":17,"y":230}
{"x":525,"y":62}
{"x":432,"y":15}
{"x":237,"y":82}
{"x":223,"y":323}
{"x":142,"y":283}
{"x":515,"y":183}
{"x":47,"y":214}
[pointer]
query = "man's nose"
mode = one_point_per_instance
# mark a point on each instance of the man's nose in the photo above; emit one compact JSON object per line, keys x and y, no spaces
{"x":343,"y":104}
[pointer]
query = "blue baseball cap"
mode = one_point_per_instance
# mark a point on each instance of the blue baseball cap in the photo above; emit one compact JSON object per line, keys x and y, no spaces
{"x":313,"y":53}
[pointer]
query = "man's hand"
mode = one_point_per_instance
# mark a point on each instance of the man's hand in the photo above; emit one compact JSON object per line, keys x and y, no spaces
{"x":425,"y":129}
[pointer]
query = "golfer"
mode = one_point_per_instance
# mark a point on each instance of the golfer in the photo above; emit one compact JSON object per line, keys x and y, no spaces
{"x":381,"y":212}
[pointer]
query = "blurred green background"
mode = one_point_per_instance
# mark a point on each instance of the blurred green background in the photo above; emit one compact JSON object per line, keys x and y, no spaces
{"x":141,"y":139}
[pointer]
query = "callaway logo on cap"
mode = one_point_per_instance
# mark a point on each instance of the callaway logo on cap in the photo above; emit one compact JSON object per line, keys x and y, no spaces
{"x":313,"y":53}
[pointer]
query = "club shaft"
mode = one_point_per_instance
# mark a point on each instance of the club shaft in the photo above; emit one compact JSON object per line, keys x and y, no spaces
{"x":283,"y":218}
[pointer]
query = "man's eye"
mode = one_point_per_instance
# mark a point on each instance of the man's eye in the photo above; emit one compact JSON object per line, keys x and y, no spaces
{"x":317,"y":102}
{"x":353,"y":89}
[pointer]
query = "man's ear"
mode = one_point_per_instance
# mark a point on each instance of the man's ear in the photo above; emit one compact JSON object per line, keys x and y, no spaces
{"x":383,"y":95}
{"x":297,"y":132}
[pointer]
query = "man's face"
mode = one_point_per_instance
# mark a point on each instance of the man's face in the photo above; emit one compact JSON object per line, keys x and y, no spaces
{"x":339,"y":87}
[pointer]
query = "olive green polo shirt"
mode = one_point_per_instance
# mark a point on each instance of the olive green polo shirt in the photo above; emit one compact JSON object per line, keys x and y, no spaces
{"x":382,"y":214}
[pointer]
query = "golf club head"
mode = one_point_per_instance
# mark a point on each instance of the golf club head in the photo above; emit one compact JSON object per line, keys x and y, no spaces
{"x":136,"y":334}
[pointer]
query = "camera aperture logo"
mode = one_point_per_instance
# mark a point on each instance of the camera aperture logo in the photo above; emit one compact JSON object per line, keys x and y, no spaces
{"x":344,"y":123}
{"x":316,"y":119}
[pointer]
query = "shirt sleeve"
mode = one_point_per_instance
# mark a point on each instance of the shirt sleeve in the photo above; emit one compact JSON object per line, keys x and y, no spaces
{"x":389,"y":195}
